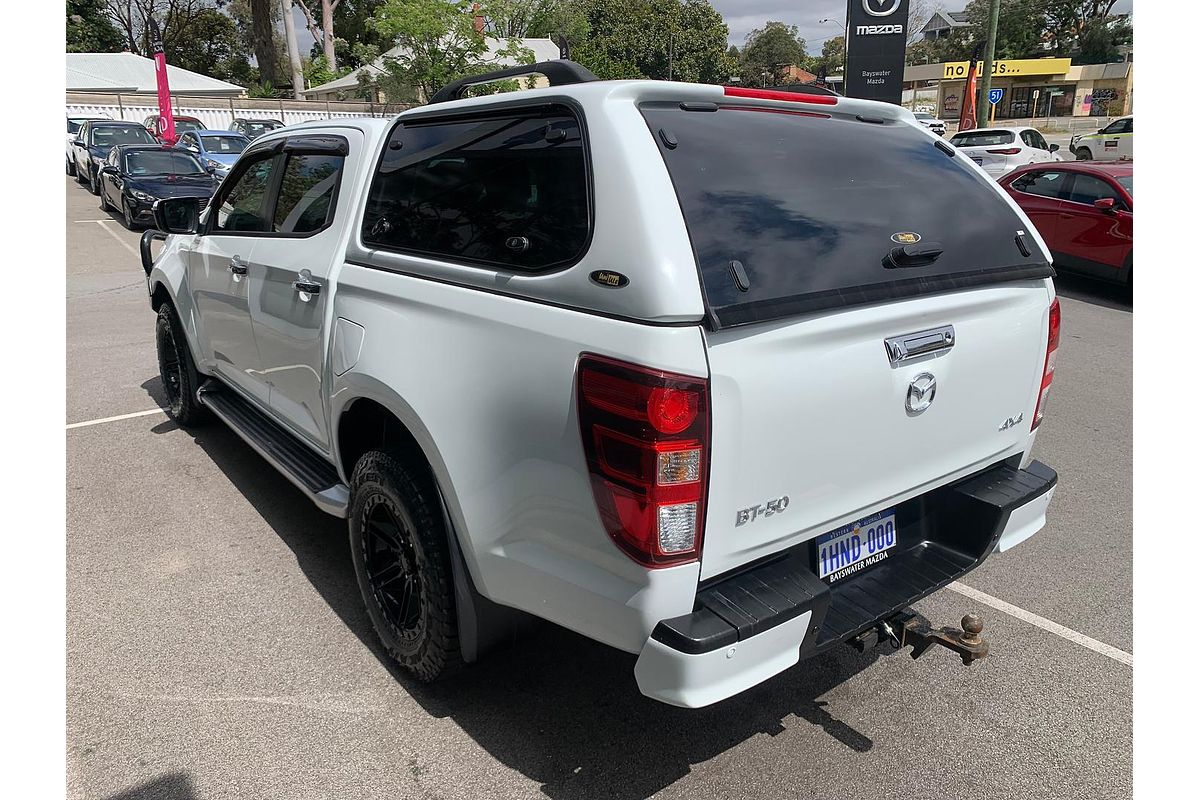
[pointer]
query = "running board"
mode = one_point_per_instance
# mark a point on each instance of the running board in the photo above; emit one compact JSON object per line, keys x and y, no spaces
{"x":312,"y":474}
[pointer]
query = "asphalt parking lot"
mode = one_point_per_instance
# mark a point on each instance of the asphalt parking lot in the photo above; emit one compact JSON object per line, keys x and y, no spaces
{"x":217,"y":646}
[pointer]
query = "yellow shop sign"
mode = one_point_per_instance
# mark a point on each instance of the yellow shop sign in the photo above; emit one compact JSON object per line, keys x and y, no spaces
{"x":1014,"y":67}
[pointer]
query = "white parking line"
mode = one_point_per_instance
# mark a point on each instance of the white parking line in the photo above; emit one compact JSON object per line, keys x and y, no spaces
{"x":1043,"y":623}
{"x":103,"y":223}
{"x":102,"y":420}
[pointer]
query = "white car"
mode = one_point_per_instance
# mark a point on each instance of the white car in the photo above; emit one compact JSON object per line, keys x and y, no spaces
{"x":549,"y":352}
{"x":1113,"y":142}
{"x":73,"y":126}
{"x":1001,"y":150}
{"x":934,"y":124}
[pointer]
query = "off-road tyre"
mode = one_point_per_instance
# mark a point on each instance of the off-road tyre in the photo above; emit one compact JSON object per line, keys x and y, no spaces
{"x":177,"y":370}
{"x":401,"y":552}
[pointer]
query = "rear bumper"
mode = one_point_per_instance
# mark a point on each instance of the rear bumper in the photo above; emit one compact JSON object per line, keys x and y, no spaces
{"x":757,"y":623}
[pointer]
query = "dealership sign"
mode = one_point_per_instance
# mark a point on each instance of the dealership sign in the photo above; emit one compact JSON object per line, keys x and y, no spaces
{"x":876,"y":31}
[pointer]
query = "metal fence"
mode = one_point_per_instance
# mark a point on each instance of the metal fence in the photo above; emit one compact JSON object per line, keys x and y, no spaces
{"x":218,"y":113}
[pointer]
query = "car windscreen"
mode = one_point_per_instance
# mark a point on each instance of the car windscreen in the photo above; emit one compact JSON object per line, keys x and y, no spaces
{"x":259,"y":128}
{"x":1127,"y":182}
{"x":161,"y":162}
{"x":110,"y":136}
{"x":790,"y":212}
{"x":982,"y":138}
{"x":922,"y":115}
{"x":223,"y":145}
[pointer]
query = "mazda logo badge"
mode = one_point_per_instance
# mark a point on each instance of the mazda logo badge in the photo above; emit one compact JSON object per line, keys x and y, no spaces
{"x":880,"y":8}
{"x":920,"y":393}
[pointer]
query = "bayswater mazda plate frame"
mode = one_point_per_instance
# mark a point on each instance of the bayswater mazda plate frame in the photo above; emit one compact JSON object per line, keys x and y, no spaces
{"x":856,"y":546}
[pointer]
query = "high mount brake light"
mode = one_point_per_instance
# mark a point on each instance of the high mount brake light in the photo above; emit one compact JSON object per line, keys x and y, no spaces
{"x":645,"y":434}
{"x":1052,"y":337}
{"x":794,"y":97}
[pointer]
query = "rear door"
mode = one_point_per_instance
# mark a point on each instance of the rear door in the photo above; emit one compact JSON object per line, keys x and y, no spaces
{"x":296,"y":258}
{"x":1041,"y":194}
{"x":819,"y":239}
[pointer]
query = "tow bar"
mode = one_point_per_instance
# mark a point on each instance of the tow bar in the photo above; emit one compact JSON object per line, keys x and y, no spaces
{"x":910,"y":628}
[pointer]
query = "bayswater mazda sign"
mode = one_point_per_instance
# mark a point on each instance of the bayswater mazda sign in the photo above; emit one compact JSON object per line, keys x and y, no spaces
{"x":877,"y":30}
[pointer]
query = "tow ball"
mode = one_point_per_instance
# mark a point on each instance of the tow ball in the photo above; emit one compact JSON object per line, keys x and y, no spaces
{"x":909,"y":628}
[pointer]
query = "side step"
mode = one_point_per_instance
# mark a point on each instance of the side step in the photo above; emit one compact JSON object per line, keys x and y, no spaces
{"x":311,"y":473}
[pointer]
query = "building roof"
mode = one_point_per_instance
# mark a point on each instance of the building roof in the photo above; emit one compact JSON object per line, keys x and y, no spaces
{"x":543,"y":50}
{"x":126,"y":72}
{"x":941,"y":20}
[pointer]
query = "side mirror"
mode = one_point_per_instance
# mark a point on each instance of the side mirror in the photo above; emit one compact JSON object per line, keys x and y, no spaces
{"x":77,"y":142}
{"x":108,"y":169}
{"x":177,"y":214}
{"x":1053,"y":148}
{"x":1105,"y":204}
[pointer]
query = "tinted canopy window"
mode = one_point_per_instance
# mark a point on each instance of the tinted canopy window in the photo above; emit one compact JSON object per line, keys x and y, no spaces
{"x":982,"y":138}
{"x":817,"y":211}
{"x":161,"y":162}
{"x":506,"y":190}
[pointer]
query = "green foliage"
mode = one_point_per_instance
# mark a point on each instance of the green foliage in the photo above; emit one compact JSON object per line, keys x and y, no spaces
{"x":262,"y":90}
{"x":1100,"y":40}
{"x":210,"y":44}
{"x":89,"y":31}
{"x":768,"y":51}
{"x":317,"y":71}
{"x":686,"y":39}
{"x":832,"y":58}
{"x":436,"y":43}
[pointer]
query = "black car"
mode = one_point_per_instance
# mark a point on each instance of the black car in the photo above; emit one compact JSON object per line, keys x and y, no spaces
{"x":134,"y":176}
{"x":96,"y":138}
{"x":253,"y":128}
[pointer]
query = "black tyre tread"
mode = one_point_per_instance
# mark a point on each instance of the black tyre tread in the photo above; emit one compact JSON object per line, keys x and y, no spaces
{"x":188,"y":411}
{"x":439,"y":655}
{"x":103,"y":201}
{"x":71,"y":168}
{"x":1080,"y":150}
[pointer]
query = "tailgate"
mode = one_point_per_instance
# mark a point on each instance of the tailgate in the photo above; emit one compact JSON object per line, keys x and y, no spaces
{"x":984,"y":158}
{"x":814,"y":410}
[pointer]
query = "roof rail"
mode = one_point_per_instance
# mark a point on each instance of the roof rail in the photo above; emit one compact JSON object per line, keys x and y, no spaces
{"x":559,"y":72}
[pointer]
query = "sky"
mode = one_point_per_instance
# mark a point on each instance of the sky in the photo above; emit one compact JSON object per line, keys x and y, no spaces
{"x":743,"y":16}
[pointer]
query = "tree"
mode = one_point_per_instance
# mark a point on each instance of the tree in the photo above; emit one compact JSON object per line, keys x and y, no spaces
{"x":263,"y":14}
{"x":768,"y":51}
{"x":211,"y":45}
{"x":436,"y":43}
{"x":683,"y":39}
{"x":322,"y":32}
{"x":832,"y":58}
{"x":89,"y":29}
{"x":355,"y":37}
{"x":132,"y":17}
{"x":1086,"y":30}
{"x":1020,"y":28}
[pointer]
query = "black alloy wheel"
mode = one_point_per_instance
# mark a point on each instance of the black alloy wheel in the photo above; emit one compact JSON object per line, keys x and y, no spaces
{"x":127,"y":213}
{"x":390,"y":564}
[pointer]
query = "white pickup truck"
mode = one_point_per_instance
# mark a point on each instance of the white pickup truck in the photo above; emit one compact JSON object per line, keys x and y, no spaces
{"x":716,"y":376}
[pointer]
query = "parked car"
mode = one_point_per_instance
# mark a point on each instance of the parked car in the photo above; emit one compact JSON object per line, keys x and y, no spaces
{"x":182,"y":125}
{"x":73,"y":126}
{"x":1000,"y":150}
{"x":135,"y":176}
{"x":96,"y":138}
{"x":582,"y":377}
{"x":253,"y":128}
{"x":930,"y":121}
{"x":217,"y":150}
{"x":1113,"y":142}
{"x":1084,"y":212}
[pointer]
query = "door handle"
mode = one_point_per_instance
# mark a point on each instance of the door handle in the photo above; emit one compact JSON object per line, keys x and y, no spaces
{"x":237,"y":266}
{"x":306,"y":286}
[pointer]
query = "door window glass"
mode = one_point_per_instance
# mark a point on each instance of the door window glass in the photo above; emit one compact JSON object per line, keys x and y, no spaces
{"x":243,"y":205}
{"x":1043,"y":184}
{"x":1088,"y":189}
{"x":306,"y":193}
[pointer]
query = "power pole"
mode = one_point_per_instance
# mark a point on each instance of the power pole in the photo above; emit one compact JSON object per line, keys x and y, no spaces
{"x":289,"y":29}
{"x":989,"y":52}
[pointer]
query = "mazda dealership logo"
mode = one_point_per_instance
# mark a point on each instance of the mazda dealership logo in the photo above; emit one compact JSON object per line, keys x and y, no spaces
{"x":880,"y":8}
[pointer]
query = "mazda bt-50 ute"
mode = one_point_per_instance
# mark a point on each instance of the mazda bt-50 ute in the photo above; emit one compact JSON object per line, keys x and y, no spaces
{"x":720,"y":377}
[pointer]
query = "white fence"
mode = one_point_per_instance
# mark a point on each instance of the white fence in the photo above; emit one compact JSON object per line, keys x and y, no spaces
{"x":219,"y":114}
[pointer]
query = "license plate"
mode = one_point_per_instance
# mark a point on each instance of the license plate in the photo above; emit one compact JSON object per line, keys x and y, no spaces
{"x":856,"y":546}
{"x":978,"y":161}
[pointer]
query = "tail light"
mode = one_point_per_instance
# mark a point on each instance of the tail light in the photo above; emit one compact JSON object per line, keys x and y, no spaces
{"x":645,"y":434}
{"x":1007,"y":151}
{"x":1039,"y":411}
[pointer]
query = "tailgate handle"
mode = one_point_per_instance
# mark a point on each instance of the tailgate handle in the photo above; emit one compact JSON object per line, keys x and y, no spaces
{"x":921,"y":343}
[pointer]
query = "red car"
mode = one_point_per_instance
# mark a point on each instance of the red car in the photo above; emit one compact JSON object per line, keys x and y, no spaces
{"x":1084,"y":211}
{"x":182,"y":125}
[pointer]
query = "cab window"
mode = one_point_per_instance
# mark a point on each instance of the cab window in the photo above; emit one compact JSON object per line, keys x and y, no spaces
{"x":1043,"y":184}
{"x":243,"y":206}
{"x":307,"y":192}
{"x":1088,"y":189}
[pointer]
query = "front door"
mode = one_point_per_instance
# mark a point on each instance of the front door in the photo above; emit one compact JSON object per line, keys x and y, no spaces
{"x":296,"y":258}
{"x":1041,"y":194}
{"x":1092,"y":240}
{"x":223,"y":277}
